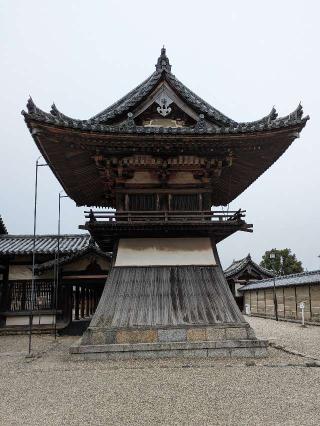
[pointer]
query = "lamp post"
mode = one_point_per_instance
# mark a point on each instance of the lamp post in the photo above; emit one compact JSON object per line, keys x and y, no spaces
{"x":57,"y":269}
{"x":272,"y":257}
{"x":34,"y":249}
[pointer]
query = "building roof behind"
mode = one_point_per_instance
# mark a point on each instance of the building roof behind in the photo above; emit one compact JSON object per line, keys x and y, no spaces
{"x":303,"y":278}
{"x":45,"y":244}
{"x":238,"y":265}
{"x":92,"y":248}
{"x":3,"y":229}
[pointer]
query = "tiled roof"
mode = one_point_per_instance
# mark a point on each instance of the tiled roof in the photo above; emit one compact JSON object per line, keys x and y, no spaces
{"x":45,"y":244}
{"x":3,"y":229}
{"x":91,"y":248}
{"x":303,"y":278}
{"x":218,"y":122}
{"x":239,"y":265}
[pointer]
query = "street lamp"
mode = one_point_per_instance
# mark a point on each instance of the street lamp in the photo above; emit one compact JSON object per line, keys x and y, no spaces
{"x":272,"y":257}
{"x":57,"y":268}
{"x":34,"y":248}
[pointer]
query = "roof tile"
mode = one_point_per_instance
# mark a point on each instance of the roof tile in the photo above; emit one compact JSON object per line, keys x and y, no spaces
{"x":45,"y":244}
{"x":303,"y":278}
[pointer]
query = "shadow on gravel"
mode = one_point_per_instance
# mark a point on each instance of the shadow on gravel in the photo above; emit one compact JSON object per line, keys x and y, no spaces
{"x":76,"y":328}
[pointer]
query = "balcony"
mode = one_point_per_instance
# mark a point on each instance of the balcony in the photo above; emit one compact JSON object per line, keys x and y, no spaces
{"x":164,"y":217}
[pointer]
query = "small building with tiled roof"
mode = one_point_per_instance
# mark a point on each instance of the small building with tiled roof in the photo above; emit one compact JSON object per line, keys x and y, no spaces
{"x":242,"y":272}
{"x":71,"y":294}
{"x":290,"y":291}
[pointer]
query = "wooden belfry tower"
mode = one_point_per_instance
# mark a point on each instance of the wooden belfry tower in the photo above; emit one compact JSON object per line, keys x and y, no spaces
{"x":162,"y":157}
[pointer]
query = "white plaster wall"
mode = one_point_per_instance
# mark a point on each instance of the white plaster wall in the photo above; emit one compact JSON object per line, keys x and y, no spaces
{"x":164,"y":252}
{"x":24,"y":320}
{"x":182,"y":178}
{"x":236,"y":288}
{"x":82,"y":264}
{"x":20,"y":272}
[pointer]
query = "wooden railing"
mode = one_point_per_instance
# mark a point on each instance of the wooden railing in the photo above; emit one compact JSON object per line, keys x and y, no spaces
{"x":164,"y":216}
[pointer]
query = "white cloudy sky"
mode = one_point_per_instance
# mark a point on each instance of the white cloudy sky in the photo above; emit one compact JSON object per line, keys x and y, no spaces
{"x":243,"y":57}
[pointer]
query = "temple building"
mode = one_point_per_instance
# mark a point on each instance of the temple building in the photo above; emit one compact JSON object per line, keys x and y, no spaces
{"x":83,"y":269}
{"x":242,"y":272}
{"x":164,"y":160}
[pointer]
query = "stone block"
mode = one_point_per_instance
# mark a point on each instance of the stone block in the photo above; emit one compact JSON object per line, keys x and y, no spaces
{"x":260,"y":352}
{"x":93,"y":337}
{"x":196,"y":335}
{"x":242,"y":352}
{"x":236,"y":333}
{"x":227,"y":344}
{"x":136,"y":336}
{"x":172,"y":335}
{"x":250,"y":333}
{"x":110,"y":336}
{"x":218,"y":353}
{"x":214,"y":333}
{"x":194,"y":353}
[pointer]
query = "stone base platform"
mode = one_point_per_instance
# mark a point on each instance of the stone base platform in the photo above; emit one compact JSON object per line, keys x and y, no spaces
{"x":214,"y":349}
{"x":190,"y":341}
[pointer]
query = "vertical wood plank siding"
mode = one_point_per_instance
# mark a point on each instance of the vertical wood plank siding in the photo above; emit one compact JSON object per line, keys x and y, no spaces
{"x":166,"y":296}
{"x":262,"y":303}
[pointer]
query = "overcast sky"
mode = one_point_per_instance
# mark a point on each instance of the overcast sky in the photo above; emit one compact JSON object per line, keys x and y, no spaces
{"x":243,"y":57}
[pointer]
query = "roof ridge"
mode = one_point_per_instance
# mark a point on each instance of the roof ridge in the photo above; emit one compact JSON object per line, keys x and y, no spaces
{"x":283,"y":277}
{"x":43,"y":235}
{"x":300,"y":278}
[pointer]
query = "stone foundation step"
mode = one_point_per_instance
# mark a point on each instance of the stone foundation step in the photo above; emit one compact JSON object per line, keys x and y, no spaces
{"x":213,"y":349}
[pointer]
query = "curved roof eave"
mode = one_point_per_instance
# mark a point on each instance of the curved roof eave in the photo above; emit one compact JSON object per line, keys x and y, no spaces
{"x":57,"y":119}
{"x":240,"y":265}
{"x":106,"y":120}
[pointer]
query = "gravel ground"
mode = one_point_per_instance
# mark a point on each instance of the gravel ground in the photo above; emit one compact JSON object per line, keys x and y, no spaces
{"x":289,"y":334}
{"x":52,"y":389}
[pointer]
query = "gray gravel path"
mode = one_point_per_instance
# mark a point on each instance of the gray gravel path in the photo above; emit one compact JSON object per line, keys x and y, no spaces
{"x":289,"y":334}
{"x":53,"y":389}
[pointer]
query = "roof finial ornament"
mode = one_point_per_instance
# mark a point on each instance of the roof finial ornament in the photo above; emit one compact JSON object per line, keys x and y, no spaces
{"x":163,"y":63}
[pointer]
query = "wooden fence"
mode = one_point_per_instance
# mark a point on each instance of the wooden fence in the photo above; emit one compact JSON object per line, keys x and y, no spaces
{"x":288,"y":299}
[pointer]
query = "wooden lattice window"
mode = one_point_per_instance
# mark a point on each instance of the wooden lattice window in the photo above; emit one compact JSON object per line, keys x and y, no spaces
{"x":20,"y":295}
{"x":142,"y":202}
{"x":185,"y":202}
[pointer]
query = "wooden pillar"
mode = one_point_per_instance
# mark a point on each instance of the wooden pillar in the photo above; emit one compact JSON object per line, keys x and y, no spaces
{"x":87,"y":301}
{"x":82,"y":302}
{"x":76,"y":303}
{"x":200,"y":202}
{"x":126,"y":202}
{"x":95,"y":299}
{"x":310,"y":302}
{"x":90,"y":302}
{"x":4,"y":302}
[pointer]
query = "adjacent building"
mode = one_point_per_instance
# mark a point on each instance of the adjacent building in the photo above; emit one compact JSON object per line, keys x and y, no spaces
{"x":290,"y":291}
{"x":242,"y":272}
{"x":68,"y":282}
